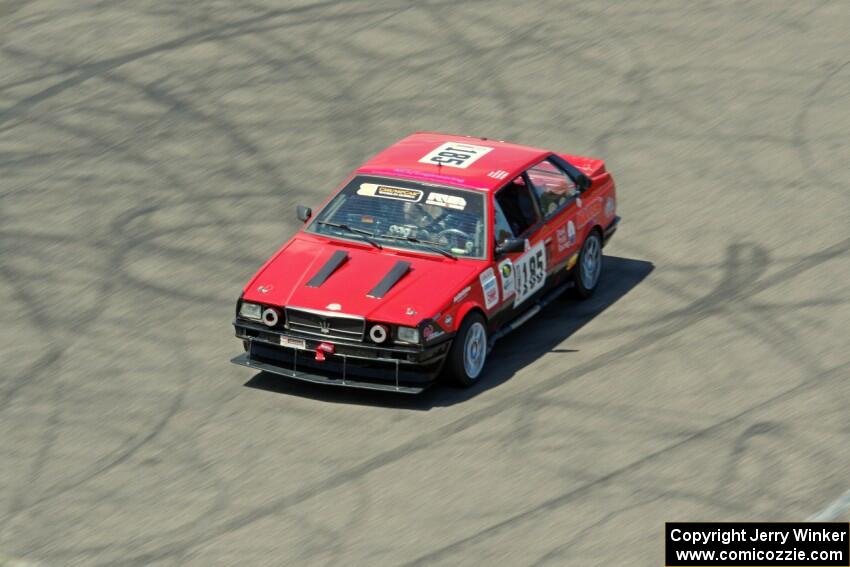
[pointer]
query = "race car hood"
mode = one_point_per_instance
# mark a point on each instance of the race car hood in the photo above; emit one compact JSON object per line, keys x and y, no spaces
{"x":381,"y":285}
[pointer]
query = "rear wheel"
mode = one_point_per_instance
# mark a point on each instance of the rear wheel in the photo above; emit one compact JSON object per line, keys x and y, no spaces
{"x":466,"y":358}
{"x":589,"y":268}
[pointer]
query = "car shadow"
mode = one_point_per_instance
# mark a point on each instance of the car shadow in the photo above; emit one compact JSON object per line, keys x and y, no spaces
{"x":541,"y":335}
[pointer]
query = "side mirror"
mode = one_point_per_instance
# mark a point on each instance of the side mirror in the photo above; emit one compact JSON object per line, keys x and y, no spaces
{"x":303,"y":213}
{"x":509,"y":245}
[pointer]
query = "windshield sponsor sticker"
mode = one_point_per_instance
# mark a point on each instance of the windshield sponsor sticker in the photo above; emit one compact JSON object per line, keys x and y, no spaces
{"x":455,"y":154}
{"x":447,"y":201}
{"x":506,"y":272}
{"x":490,"y":287}
{"x":398,"y":193}
{"x":530,"y":272}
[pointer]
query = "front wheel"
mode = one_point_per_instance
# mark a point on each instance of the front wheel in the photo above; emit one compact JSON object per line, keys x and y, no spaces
{"x":589,"y":268}
{"x":466,"y":358}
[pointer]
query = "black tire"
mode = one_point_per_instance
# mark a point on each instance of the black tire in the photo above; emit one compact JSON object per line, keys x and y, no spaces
{"x":457,"y":372}
{"x":585,"y":283}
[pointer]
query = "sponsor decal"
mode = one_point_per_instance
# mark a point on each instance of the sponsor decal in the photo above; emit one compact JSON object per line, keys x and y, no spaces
{"x":410,"y":311}
{"x":448,"y":319}
{"x":333,"y":307}
{"x":430,"y":333}
{"x":498,"y":174}
{"x":529,"y":273}
{"x":459,"y":297}
{"x":490,"y":287}
{"x":609,"y":206}
{"x":572,"y":261}
{"x":566,"y":236}
{"x":265,"y":288}
{"x":506,"y":272}
{"x":589,"y":213}
{"x":387,"y":192}
{"x":455,"y":154}
{"x":561,"y":234}
{"x":447,"y":201}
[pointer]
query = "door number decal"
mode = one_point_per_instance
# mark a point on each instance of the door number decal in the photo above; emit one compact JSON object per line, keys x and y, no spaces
{"x":530,"y":272}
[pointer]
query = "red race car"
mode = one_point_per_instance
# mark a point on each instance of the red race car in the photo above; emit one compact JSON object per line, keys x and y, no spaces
{"x":429,"y":253}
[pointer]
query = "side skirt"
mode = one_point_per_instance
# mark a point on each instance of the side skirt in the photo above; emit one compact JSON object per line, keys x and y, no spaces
{"x":531,"y":312}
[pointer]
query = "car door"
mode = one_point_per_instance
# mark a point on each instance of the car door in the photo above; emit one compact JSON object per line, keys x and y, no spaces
{"x":558,"y":200}
{"x":520,"y":274}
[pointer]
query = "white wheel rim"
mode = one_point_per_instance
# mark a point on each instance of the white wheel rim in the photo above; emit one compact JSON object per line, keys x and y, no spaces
{"x":474,"y":350}
{"x":591,"y":262}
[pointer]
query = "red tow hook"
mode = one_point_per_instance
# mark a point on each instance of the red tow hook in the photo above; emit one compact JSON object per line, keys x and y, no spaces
{"x":322,"y":349}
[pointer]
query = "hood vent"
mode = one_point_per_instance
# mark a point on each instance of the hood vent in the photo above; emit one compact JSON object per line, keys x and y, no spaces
{"x":393,"y":276}
{"x":336,"y":260}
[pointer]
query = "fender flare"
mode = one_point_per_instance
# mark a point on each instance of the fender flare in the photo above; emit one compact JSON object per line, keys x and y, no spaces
{"x":464,"y":310}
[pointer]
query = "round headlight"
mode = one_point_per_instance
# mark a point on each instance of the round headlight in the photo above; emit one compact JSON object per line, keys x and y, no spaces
{"x":378,"y":333}
{"x":270,"y":317}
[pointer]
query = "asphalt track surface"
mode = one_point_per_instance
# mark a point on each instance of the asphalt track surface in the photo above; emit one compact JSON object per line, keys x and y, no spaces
{"x":152,"y":153}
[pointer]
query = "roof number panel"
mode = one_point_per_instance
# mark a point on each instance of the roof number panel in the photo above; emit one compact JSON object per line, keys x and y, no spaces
{"x":455,"y":154}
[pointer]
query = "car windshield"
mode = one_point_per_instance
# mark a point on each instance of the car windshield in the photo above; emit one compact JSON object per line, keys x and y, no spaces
{"x":406,"y":214}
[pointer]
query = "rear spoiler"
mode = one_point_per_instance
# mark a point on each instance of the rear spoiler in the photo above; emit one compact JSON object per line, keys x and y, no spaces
{"x":581,"y":180}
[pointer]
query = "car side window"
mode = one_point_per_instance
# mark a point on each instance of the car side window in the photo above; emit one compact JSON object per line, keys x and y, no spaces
{"x":517,"y":203}
{"x":503,"y":228}
{"x":554,"y":189}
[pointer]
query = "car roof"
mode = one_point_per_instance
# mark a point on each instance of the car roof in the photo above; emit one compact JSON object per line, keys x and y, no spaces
{"x":497,"y":162}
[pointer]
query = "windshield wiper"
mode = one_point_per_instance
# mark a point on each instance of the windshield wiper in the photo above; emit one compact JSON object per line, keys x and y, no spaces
{"x":367,"y":236}
{"x":435,"y":246}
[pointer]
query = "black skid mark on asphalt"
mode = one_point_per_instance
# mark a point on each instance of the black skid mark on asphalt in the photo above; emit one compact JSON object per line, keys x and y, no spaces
{"x":768,"y":462}
{"x":563,"y":499}
{"x":802,"y":143}
{"x":84,"y":72}
{"x":665,"y":326}
{"x":668,"y":325}
{"x":559,"y":554}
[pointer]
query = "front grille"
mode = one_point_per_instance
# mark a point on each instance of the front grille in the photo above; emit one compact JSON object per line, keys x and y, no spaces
{"x":325,"y":325}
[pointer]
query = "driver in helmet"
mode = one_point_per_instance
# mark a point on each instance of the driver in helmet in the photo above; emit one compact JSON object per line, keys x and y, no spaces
{"x":426,"y":218}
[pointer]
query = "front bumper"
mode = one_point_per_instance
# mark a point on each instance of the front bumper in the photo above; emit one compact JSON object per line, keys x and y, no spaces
{"x":406,"y":369}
